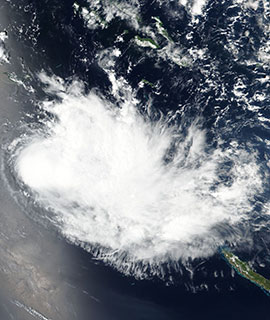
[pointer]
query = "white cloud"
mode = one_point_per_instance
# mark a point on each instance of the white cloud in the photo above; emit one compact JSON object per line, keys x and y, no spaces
{"x":101,"y":170}
{"x":197,"y":7}
{"x":3,"y":52}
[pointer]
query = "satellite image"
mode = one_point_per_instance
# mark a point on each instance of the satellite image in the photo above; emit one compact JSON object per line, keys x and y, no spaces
{"x":135,"y":159}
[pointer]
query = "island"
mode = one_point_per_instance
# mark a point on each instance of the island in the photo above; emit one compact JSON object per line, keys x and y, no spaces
{"x":244,"y":270}
{"x":146,"y":42}
{"x":161,"y":30}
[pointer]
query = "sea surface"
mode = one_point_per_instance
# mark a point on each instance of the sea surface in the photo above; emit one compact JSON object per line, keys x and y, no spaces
{"x":135,"y":143}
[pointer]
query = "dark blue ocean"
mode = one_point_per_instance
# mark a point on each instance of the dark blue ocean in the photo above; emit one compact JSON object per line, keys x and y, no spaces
{"x":211,"y":65}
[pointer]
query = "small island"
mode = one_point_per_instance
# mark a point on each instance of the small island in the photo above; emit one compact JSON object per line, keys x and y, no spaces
{"x":146,"y":42}
{"x":161,"y":30}
{"x":243,"y":269}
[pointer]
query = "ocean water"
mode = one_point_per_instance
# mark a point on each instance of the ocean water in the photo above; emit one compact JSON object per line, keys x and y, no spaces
{"x":140,"y":158}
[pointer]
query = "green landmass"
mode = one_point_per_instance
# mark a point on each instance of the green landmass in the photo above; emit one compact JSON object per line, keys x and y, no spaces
{"x":139,"y":19}
{"x":146,"y":42}
{"x":245,"y":270}
{"x":161,"y":29}
{"x":148,"y":82}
